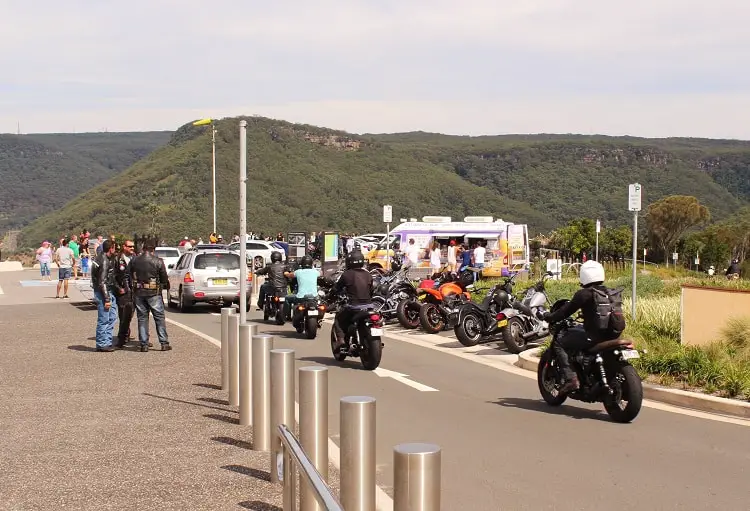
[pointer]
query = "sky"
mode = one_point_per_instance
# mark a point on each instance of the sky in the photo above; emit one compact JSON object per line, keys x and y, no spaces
{"x":655,"y":68}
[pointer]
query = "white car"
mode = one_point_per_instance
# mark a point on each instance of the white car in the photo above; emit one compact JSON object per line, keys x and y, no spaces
{"x":258,"y":252}
{"x":371,"y":241}
{"x":170,"y":255}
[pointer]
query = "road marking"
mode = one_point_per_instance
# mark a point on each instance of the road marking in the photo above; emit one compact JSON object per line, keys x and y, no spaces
{"x":401,"y":377}
{"x":383,"y":502}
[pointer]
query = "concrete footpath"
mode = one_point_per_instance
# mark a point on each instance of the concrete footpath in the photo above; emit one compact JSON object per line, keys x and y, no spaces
{"x":122,"y":430}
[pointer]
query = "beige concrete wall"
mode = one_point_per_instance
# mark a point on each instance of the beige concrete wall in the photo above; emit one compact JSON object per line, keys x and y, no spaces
{"x":705,"y":311}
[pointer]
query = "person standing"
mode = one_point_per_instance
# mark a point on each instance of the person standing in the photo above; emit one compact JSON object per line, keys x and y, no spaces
{"x":44,"y":255}
{"x":125,"y":305}
{"x":435,"y":262}
{"x":103,"y":282}
{"x":65,"y":260}
{"x":412,"y":254}
{"x":479,"y":255}
{"x":452,"y":256}
{"x":148,"y":276}
{"x":73,"y":245}
{"x":85,"y":255}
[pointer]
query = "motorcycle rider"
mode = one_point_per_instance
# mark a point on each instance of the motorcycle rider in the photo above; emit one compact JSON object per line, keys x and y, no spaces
{"x":357,"y":283}
{"x":307,"y":283}
{"x":125,"y":302}
{"x":733,"y":272}
{"x":276,"y":281}
{"x":591,"y":276}
{"x":148,"y":277}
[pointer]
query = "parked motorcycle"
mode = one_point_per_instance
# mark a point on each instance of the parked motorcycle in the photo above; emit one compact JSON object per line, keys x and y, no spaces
{"x":481,"y":323}
{"x":439,"y":309}
{"x":362,"y":339}
{"x":308,"y":315}
{"x":604,"y":372}
{"x":392,"y":290}
{"x":521,"y":323}
{"x":408,"y":310}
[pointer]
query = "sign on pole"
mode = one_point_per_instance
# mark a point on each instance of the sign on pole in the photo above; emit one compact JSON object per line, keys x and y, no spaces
{"x":387,"y":214}
{"x":598,"y":226}
{"x":634,"y":197}
{"x":634,"y":205}
{"x":674,"y":256}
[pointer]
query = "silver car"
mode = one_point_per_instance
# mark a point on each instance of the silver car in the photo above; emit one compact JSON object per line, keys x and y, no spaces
{"x":206,"y":276}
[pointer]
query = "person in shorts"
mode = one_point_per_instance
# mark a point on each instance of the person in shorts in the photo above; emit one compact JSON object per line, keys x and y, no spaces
{"x":65,"y":260}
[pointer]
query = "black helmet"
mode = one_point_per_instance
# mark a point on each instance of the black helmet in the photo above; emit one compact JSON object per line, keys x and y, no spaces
{"x":354,"y":259}
{"x":275,"y":256}
{"x":306,"y":262}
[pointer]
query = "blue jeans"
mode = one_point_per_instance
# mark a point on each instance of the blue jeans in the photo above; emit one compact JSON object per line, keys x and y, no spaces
{"x":44,"y":268}
{"x":155,"y":305}
{"x":105,"y":319}
{"x":479,"y":267}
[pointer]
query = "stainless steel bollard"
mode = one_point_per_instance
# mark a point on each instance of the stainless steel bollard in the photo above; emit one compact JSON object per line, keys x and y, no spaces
{"x":225,"y":312}
{"x":357,"y":432}
{"x":313,"y":426}
{"x":261,"y":378}
{"x":233,"y":331}
{"x":246,"y":357}
{"x":282,"y":404}
{"x":416,"y":477}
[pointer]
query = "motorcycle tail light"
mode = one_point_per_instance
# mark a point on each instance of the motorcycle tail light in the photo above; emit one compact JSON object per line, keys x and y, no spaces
{"x":301,"y":308}
{"x":275,"y":298}
{"x":375,"y":317}
{"x":322,"y":307}
{"x":500,"y":316}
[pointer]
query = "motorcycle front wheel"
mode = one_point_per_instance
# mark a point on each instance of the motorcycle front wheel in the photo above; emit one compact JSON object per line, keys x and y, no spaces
{"x":431,"y":319}
{"x":548,"y":381}
{"x":469,"y":330}
{"x":625,"y":404}
{"x":407,"y":313}
{"x":512,"y":336}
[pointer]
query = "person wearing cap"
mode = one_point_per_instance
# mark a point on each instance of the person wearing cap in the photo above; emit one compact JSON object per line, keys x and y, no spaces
{"x":44,"y":255}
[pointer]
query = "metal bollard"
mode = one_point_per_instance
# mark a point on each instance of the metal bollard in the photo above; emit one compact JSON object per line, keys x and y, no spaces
{"x":261,"y":377}
{"x":313,"y":426}
{"x":246,"y":357}
{"x":225,"y":312}
{"x":282,"y":405}
{"x":416,"y":477}
{"x":233,"y":331}
{"x":357,"y":430}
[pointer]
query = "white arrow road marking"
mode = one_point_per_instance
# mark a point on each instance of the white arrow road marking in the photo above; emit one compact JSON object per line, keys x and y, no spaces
{"x":385,"y":373}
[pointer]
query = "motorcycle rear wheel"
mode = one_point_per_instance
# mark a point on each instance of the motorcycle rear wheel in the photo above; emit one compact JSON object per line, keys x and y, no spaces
{"x":372,"y":353}
{"x":628,"y":387}
{"x":512,"y":336}
{"x":546,"y":377}
{"x":431,"y":319}
{"x":469,"y":330}
{"x":311,"y":327}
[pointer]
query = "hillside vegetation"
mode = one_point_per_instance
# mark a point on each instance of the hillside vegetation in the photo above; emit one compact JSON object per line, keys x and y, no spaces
{"x":41,"y":173}
{"x":309,"y":178}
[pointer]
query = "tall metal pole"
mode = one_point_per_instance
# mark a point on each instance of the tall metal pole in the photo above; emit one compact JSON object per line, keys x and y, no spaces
{"x":213,"y":168}
{"x":388,"y":247}
{"x":635,"y":263}
{"x":243,"y":221}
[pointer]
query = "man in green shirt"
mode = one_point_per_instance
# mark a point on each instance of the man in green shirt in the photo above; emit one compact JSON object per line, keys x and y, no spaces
{"x":73,"y":245}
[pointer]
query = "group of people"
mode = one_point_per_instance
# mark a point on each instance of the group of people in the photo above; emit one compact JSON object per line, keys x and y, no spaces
{"x":72,"y":256}
{"x":124,"y":282}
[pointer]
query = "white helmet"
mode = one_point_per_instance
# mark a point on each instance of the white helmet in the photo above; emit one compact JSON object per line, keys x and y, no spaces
{"x":591,"y":271}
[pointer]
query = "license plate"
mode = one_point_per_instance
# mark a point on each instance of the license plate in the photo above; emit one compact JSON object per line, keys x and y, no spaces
{"x":220,"y":282}
{"x":376,"y":331}
{"x":502,"y":323}
{"x":281,"y":298}
{"x":628,"y":354}
{"x":312,"y":313}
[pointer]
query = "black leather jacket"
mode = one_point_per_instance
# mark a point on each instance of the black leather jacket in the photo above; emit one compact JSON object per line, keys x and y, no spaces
{"x":103,"y":274}
{"x":148,"y":275}
{"x":122,"y":275}
{"x":275,"y":272}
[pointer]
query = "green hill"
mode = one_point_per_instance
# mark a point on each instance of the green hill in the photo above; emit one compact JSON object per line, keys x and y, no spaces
{"x":41,"y":173}
{"x":310,"y":178}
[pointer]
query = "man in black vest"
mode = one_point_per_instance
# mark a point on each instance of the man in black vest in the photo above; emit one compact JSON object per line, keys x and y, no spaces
{"x":148,"y":276}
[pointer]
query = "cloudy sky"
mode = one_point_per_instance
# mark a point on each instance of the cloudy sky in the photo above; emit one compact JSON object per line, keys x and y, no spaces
{"x":647,"y":68}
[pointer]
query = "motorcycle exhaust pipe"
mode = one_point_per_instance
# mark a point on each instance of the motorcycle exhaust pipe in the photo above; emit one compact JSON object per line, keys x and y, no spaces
{"x":528,"y":335}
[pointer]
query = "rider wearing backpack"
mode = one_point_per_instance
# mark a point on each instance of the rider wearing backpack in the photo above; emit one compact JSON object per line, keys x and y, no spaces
{"x":602,"y":319}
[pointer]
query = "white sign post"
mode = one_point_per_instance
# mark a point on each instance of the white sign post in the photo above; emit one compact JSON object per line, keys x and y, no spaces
{"x":598,"y":230}
{"x":634,"y":205}
{"x":387,"y":219}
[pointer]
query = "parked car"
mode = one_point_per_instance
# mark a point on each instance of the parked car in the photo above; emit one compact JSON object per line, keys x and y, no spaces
{"x":210,"y":276}
{"x":170,"y":255}
{"x":258,"y":252}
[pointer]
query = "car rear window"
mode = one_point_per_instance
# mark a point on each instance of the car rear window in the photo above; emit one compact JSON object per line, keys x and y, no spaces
{"x":219,"y":261}
{"x":162,"y":252}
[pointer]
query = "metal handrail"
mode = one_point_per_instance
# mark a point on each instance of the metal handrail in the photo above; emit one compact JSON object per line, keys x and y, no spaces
{"x":293,"y":451}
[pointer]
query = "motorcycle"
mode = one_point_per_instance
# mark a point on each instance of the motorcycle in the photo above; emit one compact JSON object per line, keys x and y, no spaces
{"x":390,"y":292}
{"x":408,"y":310}
{"x":362,"y":339}
{"x":273,"y":306}
{"x":604,"y":372}
{"x":481,"y":323}
{"x":521,"y":323}
{"x":308,"y":315}
{"x":439,"y":309}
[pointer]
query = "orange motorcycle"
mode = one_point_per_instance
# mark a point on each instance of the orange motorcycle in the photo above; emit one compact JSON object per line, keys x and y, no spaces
{"x":440,"y":303}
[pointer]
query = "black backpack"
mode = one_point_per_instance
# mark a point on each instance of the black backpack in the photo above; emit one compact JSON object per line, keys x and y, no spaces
{"x":611,"y":321}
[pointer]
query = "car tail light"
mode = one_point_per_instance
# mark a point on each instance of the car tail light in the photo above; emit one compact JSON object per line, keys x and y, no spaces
{"x":500,"y":316}
{"x":188,"y":278}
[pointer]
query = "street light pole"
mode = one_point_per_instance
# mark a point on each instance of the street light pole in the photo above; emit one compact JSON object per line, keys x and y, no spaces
{"x":243,"y":221}
{"x":213,"y":169}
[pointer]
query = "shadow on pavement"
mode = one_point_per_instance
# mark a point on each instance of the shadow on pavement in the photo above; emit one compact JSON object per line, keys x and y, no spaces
{"x":287,"y":334}
{"x":261,"y":475}
{"x":208,"y":386}
{"x":222,"y":418}
{"x":84,"y":306}
{"x":233,"y":442}
{"x":538,"y":405}
{"x":187,"y":402}
{"x":256,"y":505}
{"x":214,"y":400}
{"x":81,"y":347}
{"x":329,"y":361}
{"x":454,"y":344}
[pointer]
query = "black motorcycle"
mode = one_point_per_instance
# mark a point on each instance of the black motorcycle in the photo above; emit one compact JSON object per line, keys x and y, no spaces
{"x":390,"y":291}
{"x":480,"y":323}
{"x":604,"y":372}
{"x":273,"y":306}
{"x":308,"y":316}
{"x":362,"y":339}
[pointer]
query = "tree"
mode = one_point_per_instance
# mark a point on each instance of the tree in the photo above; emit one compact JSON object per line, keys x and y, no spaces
{"x":575,"y":238}
{"x":616,"y":242}
{"x":669,"y":218}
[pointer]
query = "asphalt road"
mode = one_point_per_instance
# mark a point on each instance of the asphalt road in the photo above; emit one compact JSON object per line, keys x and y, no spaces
{"x":504,"y":448}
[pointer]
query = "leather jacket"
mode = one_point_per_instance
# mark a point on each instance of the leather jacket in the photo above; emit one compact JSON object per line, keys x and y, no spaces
{"x":103,"y":274}
{"x":148,"y":275}
{"x":122,"y":274}
{"x":275,"y":272}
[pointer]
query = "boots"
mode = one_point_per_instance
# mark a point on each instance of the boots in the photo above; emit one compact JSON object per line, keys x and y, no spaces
{"x":570,"y":385}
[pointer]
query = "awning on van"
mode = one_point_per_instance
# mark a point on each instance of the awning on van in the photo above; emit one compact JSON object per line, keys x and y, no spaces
{"x":483,"y":235}
{"x":449,"y":235}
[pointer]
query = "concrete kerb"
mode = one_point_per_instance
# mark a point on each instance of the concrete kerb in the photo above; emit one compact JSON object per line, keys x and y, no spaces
{"x":11,"y":266}
{"x":529,"y":360}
